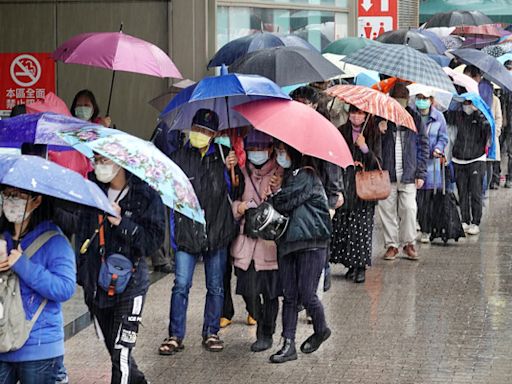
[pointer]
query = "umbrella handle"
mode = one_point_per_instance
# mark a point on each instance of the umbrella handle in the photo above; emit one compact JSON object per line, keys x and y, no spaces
{"x":110,"y":93}
{"x":234,"y":178}
{"x":87,"y":242}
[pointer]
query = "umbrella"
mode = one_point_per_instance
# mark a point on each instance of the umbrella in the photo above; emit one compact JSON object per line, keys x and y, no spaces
{"x":504,"y":58}
{"x":240,"y":47}
{"x":442,"y":98}
{"x":218,"y":93}
{"x":452,"y":42}
{"x":349,"y":70}
{"x":51,"y":103}
{"x":299,"y":126}
{"x":455,"y":18}
{"x":161,"y":101}
{"x":35,"y":174}
{"x":462,"y":80}
{"x":478,"y":42}
{"x":442,"y":60}
{"x":348,"y":45}
{"x":477,"y":30}
{"x":367,"y":78}
{"x":116,"y":51}
{"x":494,"y":50}
{"x":374,"y":103}
{"x":142,"y":159}
{"x":413,"y":39}
{"x":491,"y":68}
{"x":402,"y":62}
{"x":287,"y":65}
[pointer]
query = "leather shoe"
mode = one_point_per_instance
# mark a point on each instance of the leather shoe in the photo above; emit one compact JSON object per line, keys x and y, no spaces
{"x":360,"y":275}
{"x":390,"y":253}
{"x":286,"y":353}
{"x":410,"y":252}
{"x":314,"y":341}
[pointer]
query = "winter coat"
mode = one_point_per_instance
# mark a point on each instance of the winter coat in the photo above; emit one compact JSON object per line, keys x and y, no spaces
{"x":414,"y":150}
{"x":49,"y":274}
{"x":437,"y":134}
{"x":140,"y":233}
{"x":370,"y":161}
{"x":473,"y":134}
{"x":245,"y":249}
{"x":212,"y":184}
{"x":498,"y":121}
{"x":302,"y":198}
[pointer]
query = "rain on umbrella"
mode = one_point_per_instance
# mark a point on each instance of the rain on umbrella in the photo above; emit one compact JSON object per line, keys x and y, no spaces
{"x":402,"y":62}
{"x":118,"y":52}
{"x":348,"y":45}
{"x":142,"y":159}
{"x":299,"y":126}
{"x":456,"y":18}
{"x":413,"y":39}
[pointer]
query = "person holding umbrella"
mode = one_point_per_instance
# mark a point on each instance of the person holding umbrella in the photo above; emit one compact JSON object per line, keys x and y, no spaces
{"x":85,"y":107}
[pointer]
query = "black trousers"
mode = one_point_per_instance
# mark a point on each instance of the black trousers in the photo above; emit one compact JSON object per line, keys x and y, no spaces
{"x":506,"y":148}
{"x":228,"y":310}
{"x":119,"y":326}
{"x":469,"y":179}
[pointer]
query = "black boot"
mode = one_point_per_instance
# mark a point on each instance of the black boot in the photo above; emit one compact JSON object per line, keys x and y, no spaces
{"x":359,"y":275}
{"x":314,"y":341}
{"x":263,"y":341}
{"x":507,"y":183}
{"x":286,"y":353}
{"x":350,"y":273}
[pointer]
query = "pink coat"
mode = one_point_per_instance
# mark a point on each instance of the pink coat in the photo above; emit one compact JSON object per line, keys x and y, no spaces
{"x":245,"y":249}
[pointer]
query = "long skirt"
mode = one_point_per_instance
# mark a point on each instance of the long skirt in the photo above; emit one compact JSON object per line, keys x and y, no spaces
{"x":351,"y":242}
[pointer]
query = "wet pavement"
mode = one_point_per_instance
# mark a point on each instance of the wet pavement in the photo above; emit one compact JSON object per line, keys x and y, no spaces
{"x":444,"y":319}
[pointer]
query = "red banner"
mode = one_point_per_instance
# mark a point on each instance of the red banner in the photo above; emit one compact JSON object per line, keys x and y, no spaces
{"x":25,"y":78}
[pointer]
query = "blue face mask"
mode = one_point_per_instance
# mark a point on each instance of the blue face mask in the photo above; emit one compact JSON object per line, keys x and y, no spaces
{"x":283,"y":160}
{"x":257,"y":157}
{"x":423,"y":103}
{"x":223,"y":140}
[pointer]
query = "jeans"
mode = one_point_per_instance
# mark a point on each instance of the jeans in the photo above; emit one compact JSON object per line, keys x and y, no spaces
{"x":214,"y":267}
{"x":470,"y":185}
{"x":62,"y":373}
{"x":29,"y":372}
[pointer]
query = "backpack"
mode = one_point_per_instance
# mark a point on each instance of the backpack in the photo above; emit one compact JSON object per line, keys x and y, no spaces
{"x":14,"y":327}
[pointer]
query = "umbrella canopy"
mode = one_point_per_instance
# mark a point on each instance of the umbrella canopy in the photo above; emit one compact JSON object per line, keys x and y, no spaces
{"x":462,"y":80}
{"x":479,"y":42}
{"x":219,"y":93}
{"x":35,"y":174}
{"x":367,"y":78}
{"x":491,"y":68}
{"x":299,"y":126}
{"x":161,"y":101}
{"x":51,"y":103}
{"x":452,"y":42}
{"x":455,"y":18}
{"x":504,"y":58}
{"x":412,"y":39}
{"x":373,"y":102}
{"x":477,"y":30}
{"x":287,"y":65}
{"x":349,"y":70}
{"x":442,"y":98}
{"x":494,"y":50}
{"x":402,"y":62}
{"x":240,"y":47}
{"x":142,"y":159}
{"x":348,"y":45}
{"x":117,"y":51}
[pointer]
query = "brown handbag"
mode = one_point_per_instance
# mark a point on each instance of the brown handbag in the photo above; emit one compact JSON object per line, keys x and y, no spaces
{"x":372,"y":185}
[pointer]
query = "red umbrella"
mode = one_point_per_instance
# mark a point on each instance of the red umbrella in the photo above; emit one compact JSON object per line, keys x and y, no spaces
{"x":477,"y":30}
{"x":51,"y":103}
{"x":373,"y":102}
{"x":299,"y":126}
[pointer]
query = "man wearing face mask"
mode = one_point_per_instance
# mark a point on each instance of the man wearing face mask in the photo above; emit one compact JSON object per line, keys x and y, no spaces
{"x":469,"y":158}
{"x":208,"y":167}
{"x":404,"y":155}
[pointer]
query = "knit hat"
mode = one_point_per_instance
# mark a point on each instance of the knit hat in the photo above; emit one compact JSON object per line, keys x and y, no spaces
{"x":258,"y":139}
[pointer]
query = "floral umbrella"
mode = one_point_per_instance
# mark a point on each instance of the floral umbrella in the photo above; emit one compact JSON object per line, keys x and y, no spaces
{"x":142,"y":159}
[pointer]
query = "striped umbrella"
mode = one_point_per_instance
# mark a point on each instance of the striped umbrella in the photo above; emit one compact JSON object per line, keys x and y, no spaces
{"x":403,"y":62}
{"x":374,"y":103}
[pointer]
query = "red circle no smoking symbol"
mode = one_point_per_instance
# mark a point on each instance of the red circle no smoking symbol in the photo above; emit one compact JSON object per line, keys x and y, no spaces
{"x":25,"y":70}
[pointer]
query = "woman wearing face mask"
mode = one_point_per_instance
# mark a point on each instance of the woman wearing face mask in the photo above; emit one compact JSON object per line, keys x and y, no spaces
{"x":302,"y":250}
{"x":49,"y":274}
{"x":435,"y":128}
{"x":255,"y":259}
{"x":351,"y":242}
{"x":85,"y":107}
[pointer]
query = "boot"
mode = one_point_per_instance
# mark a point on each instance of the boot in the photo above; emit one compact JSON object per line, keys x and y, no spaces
{"x":360,"y":275}
{"x":508,"y":184}
{"x":286,"y":353}
{"x":314,"y":341}
{"x":263,"y":341}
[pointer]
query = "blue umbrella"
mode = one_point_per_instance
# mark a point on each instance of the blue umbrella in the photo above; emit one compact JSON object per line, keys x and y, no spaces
{"x":367,"y":78}
{"x":442,"y":60}
{"x":237,"y":48}
{"x":504,"y":58}
{"x":436,"y":40}
{"x":33,"y":173}
{"x":219,"y":93}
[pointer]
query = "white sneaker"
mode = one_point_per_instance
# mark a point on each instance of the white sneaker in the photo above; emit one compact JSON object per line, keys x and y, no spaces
{"x":425,"y":238}
{"x":465,"y":227}
{"x":473,"y":229}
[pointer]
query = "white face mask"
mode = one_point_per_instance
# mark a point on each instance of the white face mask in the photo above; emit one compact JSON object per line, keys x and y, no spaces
{"x":468,"y":109}
{"x":84,"y":112}
{"x":257,"y":157}
{"x":14,"y":210}
{"x":105,"y":173}
{"x":283,"y":160}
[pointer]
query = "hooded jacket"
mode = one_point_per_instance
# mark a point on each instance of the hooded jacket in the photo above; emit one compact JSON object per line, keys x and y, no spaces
{"x":473,"y":134}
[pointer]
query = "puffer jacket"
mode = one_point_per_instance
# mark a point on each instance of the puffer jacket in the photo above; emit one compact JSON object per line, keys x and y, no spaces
{"x":245,"y":249}
{"x":303,"y":199}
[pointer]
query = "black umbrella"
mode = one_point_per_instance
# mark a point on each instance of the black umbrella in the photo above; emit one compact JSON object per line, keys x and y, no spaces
{"x":456,"y":18}
{"x":287,"y":65}
{"x":412,"y":39}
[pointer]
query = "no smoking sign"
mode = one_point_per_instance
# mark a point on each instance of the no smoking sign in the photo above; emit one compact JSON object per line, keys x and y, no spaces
{"x":25,"y":70}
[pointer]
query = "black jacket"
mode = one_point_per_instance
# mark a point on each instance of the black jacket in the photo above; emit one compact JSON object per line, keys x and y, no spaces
{"x":212,"y":184}
{"x":303,"y":199}
{"x":473,"y":134}
{"x":140,"y":233}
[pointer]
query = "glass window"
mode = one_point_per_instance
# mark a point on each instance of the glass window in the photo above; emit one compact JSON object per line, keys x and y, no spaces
{"x":325,"y":3}
{"x":317,"y":27}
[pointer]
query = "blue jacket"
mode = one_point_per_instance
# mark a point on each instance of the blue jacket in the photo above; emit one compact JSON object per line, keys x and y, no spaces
{"x":49,"y":273}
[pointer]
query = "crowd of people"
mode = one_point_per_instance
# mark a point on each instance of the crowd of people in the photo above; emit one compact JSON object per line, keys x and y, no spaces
{"x":327,"y":222}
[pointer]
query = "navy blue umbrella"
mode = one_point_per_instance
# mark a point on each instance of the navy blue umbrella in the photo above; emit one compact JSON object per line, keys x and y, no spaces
{"x":240,"y":47}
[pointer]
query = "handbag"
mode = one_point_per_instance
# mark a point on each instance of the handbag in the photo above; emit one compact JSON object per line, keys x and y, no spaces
{"x":372,"y":185}
{"x":265,"y":222}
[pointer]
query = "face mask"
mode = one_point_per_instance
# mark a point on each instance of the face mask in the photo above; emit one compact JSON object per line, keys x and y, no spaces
{"x":14,"y":210}
{"x":403,"y":102}
{"x":223,"y":140}
{"x":283,"y":160}
{"x":257,"y":157}
{"x":84,"y":113}
{"x":423,"y":103}
{"x":199,"y":140}
{"x":468,"y":109}
{"x":105,"y":173}
{"x":357,"y":119}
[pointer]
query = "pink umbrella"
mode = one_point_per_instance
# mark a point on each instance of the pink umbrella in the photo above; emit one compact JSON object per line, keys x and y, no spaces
{"x":462,"y":80}
{"x":51,"y":103}
{"x":299,"y":126}
{"x":118,"y":52}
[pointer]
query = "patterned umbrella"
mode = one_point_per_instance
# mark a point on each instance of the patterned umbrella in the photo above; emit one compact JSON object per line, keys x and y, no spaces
{"x":494,"y":50}
{"x":402,"y":62}
{"x":373,"y":102}
{"x":452,"y":42}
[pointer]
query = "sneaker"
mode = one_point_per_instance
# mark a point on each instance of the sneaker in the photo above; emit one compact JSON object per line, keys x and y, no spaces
{"x":224,"y":322}
{"x":410,"y":252}
{"x":425,"y":238}
{"x":390,"y":253}
{"x":465,"y":227}
{"x":473,"y":229}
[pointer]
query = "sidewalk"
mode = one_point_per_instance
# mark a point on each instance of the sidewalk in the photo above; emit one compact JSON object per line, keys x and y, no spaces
{"x":444,"y":319}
